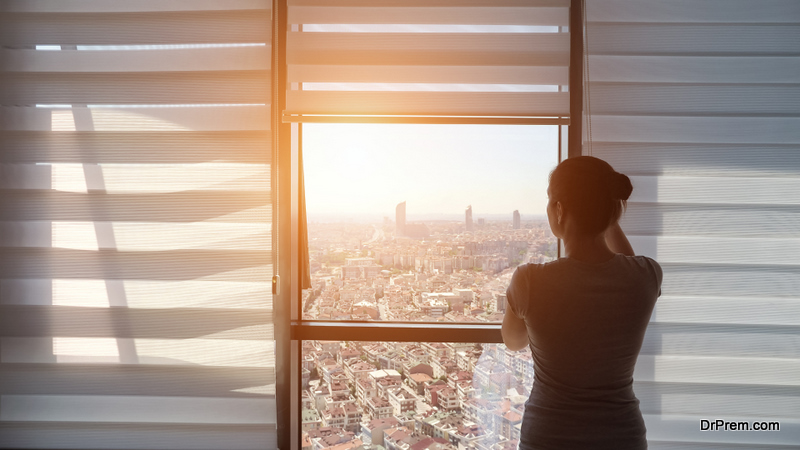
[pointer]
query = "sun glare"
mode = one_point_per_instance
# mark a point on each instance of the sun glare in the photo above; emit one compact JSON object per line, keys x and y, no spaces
{"x":367,"y":169}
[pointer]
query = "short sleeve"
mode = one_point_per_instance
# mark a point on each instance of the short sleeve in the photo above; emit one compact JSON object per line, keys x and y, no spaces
{"x":658,"y":274}
{"x":518,"y":292}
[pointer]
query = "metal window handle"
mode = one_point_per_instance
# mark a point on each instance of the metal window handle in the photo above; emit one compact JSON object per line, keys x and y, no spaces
{"x":276,"y":285}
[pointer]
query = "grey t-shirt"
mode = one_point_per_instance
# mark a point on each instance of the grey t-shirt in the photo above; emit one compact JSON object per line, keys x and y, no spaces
{"x":586,"y":323}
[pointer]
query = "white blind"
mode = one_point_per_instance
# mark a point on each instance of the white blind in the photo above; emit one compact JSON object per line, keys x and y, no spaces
{"x":428,"y":57}
{"x":699,"y":102}
{"x":135,"y":225}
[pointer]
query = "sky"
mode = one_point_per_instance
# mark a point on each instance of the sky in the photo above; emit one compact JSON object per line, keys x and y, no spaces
{"x":438,"y":170}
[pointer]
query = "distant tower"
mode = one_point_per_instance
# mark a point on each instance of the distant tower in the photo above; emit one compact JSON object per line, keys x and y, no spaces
{"x":469,"y":218}
{"x":400,"y":219}
{"x":516,"y":220}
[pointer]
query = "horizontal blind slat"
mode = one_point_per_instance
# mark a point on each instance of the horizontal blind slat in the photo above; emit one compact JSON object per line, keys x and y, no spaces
{"x":475,"y":43}
{"x":135,"y":236}
{"x":219,"y":59}
{"x":700,"y":159}
{"x":224,"y":265}
{"x":186,"y":206}
{"x":709,"y":11}
{"x":131,"y":380}
{"x":435,"y":103}
{"x":127,"y":436}
{"x":430,"y":13}
{"x":693,"y":69}
{"x":718,"y":250}
{"x":693,"y":39}
{"x":91,"y":147}
{"x":199,"y":293}
{"x":135,"y":89}
{"x":144,"y":409}
{"x":724,"y":370}
{"x":716,"y":190}
{"x":133,"y":352}
{"x":651,"y":219}
{"x":736,"y":278}
{"x":355,"y":73}
{"x":679,"y":398}
{"x":729,"y":310}
{"x":130,"y":178}
{"x":97,"y":6}
{"x":145,"y":119}
{"x":434,"y":3}
{"x":137,"y":28}
{"x":685,"y":99}
{"x":696,"y":129}
{"x":753,"y":341}
{"x":117,"y":321}
{"x":434,"y":58}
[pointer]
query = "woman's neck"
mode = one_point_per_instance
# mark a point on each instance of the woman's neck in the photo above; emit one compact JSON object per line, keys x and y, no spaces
{"x":591,"y":249}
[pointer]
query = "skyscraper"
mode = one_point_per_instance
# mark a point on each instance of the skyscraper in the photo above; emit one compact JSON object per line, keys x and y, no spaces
{"x":516,"y":220}
{"x":400,"y":219}
{"x":469,"y":219}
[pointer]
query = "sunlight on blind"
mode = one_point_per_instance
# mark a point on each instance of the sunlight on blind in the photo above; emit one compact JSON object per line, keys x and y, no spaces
{"x":441,"y":58}
{"x":135,"y":302}
{"x":697,"y":102}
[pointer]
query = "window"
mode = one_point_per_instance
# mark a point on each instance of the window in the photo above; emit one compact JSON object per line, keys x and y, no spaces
{"x":356,"y":167}
{"x":373,"y":260}
{"x":697,"y":103}
{"x":423,"y":63}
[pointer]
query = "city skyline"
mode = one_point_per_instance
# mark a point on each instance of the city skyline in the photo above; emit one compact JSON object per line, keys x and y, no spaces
{"x":376,"y":218}
{"x":362,"y":170}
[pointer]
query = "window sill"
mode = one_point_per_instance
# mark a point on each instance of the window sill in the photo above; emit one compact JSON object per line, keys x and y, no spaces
{"x":396,"y":331}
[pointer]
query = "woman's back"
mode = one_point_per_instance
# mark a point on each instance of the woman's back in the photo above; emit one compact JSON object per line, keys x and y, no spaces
{"x":584,"y":316}
{"x":586,"y":323}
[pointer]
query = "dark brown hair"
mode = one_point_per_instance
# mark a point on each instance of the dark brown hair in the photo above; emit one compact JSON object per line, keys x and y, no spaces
{"x":591,"y":191}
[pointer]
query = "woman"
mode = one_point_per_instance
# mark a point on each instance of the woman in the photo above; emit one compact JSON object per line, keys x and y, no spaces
{"x":584,"y":316}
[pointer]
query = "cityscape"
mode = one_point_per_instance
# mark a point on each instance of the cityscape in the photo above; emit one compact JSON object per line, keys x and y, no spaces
{"x":427,"y":395}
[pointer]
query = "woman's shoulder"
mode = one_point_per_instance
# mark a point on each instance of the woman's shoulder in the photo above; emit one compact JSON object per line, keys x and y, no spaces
{"x":646,"y":263}
{"x":532,"y":269}
{"x":647,"y":267}
{"x":538,"y":273}
{"x":644,"y":260}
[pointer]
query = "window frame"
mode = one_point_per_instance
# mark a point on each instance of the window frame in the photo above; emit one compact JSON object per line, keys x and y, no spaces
{"x":290,"y":328}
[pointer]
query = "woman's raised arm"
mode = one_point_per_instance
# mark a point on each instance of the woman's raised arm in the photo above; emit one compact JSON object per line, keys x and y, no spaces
{"x":617,"y":241}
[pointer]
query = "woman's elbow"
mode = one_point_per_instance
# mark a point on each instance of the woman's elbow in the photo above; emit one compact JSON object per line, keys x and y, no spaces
{"x":515,"y":334}
{"x":514,"y":344}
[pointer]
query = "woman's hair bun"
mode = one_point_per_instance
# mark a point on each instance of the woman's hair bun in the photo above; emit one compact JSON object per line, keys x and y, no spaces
{"x":621,"y":186}
{"x":591,"y":191}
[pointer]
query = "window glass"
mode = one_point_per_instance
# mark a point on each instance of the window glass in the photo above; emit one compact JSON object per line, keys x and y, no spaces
{"x":399,"y":394}
{"x":423,"y":222}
